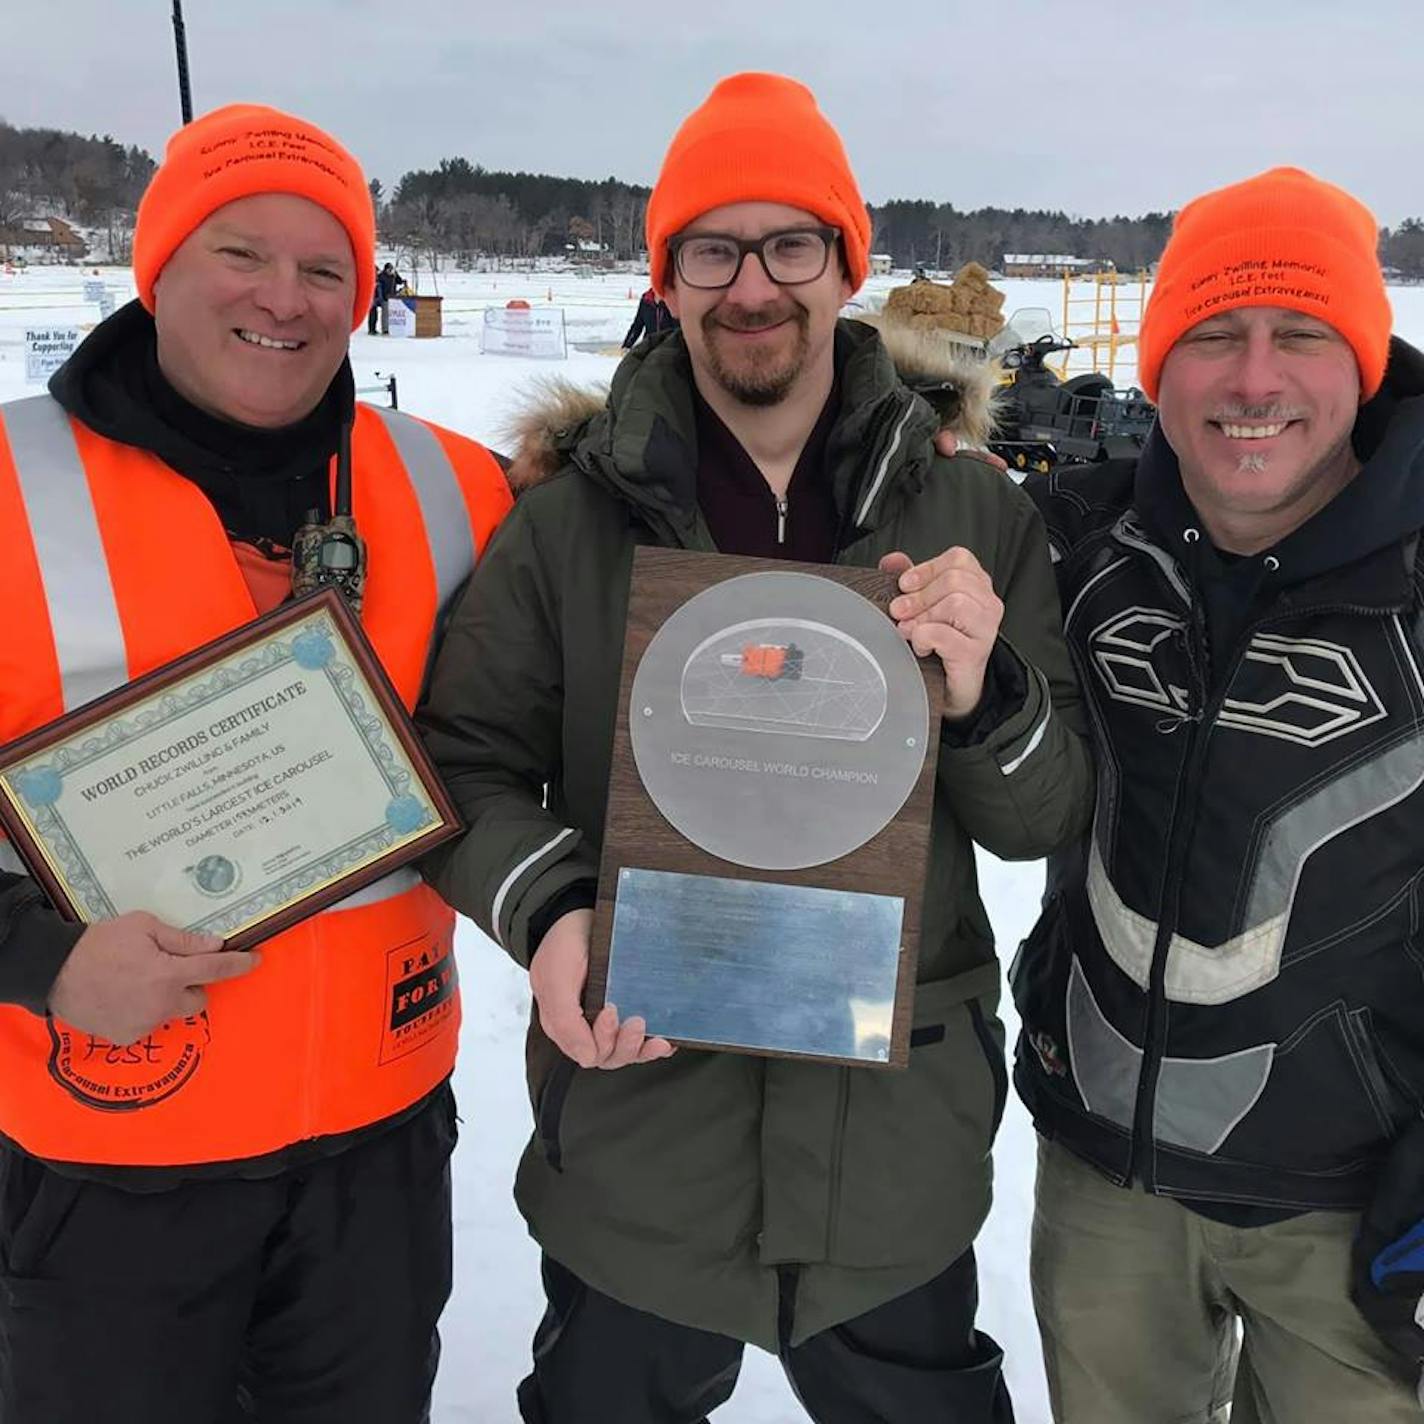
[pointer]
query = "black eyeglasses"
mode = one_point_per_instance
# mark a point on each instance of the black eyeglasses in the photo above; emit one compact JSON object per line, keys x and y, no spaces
{"x":791,"y":257}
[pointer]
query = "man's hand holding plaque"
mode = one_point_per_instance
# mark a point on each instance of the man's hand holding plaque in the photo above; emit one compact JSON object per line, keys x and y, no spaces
{"x":947,"y":606}
{"x":557,"y":976}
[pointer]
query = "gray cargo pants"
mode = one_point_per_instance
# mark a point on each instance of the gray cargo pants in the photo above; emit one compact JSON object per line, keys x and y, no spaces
{"x":1138,"y":1302}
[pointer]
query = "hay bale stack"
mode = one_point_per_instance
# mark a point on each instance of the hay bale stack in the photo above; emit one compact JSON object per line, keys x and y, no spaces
{"x":920,"y":299}
{"x":969,"y":306}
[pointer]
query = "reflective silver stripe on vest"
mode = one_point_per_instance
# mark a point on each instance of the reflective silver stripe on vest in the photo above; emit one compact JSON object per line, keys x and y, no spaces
{"x":84,"y":615}
{"x":442,"y":505}
{"x":386,"y":888}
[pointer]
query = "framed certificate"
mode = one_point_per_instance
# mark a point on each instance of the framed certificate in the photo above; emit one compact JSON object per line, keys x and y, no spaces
{"x":234,"y":792}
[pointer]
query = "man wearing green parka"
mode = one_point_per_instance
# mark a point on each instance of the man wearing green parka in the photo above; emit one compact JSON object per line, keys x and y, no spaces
{"x":688,"y":1202}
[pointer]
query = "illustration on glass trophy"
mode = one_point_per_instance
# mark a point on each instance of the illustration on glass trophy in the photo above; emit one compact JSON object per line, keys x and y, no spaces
{"x":785,"y":675}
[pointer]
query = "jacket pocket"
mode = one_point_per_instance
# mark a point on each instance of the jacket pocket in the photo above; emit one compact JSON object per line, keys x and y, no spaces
{"x":1330,"y":1071}
{"x":36,"y":1204}
{"x":549,"y":1114}
{"x":914,"y":1161}
{"x":1032,"y":967}
{"x":1038,"y":978}
{"x":991,"y":1041}
{"x":1392,"y":1107}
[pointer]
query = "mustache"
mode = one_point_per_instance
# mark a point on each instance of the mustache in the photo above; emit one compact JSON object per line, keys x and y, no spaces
{"x":751,"y":318}
{"x":1272,"y":413}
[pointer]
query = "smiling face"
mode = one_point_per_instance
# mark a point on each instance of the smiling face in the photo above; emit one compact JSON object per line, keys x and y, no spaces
{"x":756,"y":339}
{"x":254,"y":310}
{"x":1258,"y":405}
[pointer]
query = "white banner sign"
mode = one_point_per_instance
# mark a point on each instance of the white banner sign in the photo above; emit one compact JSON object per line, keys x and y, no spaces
{"x":95,"y":291}
{"x":524,"y":331}
{"x":47,"y":349}
{"x":402,"y":318}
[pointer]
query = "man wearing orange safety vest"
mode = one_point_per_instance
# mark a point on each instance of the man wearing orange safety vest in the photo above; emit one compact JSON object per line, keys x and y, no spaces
{"x":224,"y":1177}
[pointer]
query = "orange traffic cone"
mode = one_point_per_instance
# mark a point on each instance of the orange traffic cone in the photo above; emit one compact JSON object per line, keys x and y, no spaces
{"x":630,"y":294}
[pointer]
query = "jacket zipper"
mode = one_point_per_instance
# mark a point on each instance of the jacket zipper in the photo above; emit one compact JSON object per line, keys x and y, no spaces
{"x":1179,"y":837}
{"x":666,"y":531}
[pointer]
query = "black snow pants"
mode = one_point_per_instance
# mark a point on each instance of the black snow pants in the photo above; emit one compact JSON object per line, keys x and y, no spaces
{"x":310,"y":1297}
{"x":915,"y":1360}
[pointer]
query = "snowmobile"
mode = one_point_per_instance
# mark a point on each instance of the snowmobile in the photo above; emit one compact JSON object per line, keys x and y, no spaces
{"x":1045,"y":421}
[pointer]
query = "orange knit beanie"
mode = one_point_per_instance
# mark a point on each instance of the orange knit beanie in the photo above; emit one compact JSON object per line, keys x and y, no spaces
{"x":1281,"y":239}
{"x":236,"y":152}
{"x":757,"y":138}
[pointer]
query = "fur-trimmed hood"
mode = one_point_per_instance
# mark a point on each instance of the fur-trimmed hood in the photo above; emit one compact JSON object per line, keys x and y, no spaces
{"x":962,"y":390}
{"x":550,"y":408}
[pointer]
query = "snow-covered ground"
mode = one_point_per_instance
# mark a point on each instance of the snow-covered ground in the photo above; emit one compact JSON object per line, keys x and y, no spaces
{"x":448,"y":380}
{"x":497,"y":1299}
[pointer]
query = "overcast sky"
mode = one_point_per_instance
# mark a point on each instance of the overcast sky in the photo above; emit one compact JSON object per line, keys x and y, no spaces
{"x":1092,"y":107}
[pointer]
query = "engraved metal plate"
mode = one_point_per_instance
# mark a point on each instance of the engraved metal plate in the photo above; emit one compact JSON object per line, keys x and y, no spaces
{"x":740,"y":964}
{"x":778,"y":720}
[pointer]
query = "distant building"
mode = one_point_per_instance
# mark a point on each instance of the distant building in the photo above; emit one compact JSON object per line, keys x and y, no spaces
{"x":584,"y":251}
{"x":1051,"y":264}
{"x":881,"y":264}
{"x":43,"y":239}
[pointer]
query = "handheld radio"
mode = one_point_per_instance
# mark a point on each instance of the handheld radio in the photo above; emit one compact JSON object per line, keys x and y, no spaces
{"x":332,"y":554}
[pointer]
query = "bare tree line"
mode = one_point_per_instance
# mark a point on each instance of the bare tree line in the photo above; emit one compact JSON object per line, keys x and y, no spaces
{"x":94,"y":181}
{"x":463,"y":210}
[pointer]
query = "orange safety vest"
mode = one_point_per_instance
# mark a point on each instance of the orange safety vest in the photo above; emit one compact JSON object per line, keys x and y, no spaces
{"x":113,"y":566}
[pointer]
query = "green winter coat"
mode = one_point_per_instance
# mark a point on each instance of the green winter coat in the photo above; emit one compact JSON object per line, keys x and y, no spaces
{"x":679,"y":1187}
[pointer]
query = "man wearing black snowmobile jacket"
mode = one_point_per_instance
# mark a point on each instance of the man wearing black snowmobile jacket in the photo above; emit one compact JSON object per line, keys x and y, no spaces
{"x":1223,"y":1001}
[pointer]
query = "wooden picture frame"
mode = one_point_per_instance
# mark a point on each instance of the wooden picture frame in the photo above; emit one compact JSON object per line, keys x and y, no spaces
{"x":211,"y":707}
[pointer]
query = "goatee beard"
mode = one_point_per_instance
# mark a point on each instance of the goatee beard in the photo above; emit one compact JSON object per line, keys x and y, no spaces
{"x":757,"y":385}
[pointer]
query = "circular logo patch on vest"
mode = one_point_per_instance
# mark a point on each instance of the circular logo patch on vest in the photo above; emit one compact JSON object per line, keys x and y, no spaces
{"x":125,"y":1077}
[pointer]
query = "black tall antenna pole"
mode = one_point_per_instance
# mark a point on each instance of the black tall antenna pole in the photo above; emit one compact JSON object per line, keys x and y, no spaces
{"x":180,"y":40}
